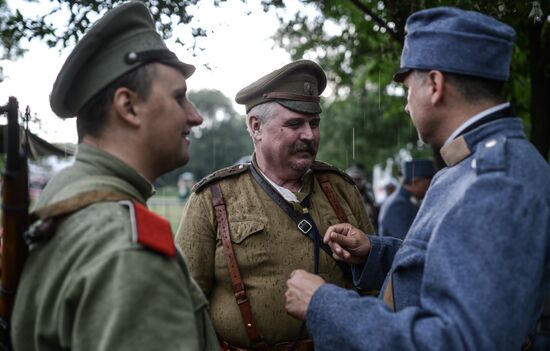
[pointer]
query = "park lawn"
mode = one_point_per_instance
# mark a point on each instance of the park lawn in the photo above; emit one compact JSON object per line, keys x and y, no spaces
{"x":169,"y":207}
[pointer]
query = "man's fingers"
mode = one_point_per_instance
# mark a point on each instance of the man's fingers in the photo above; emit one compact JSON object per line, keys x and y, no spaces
{"x":342,"y":240}
{"x":339,"y":229}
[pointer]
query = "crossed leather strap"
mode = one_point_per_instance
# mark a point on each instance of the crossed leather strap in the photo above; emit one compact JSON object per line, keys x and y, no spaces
{"x":239,"y":290}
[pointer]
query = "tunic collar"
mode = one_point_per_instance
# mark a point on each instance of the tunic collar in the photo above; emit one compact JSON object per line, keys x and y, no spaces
{"x":474,"y":119}
{"x":465,"y":145}
{"x":104,"y":163}
{"x":284,"y":192}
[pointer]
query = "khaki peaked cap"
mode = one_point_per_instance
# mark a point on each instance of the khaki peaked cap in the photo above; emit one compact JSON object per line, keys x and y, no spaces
{"x":122,"y":40}
{"x":296,"y":86}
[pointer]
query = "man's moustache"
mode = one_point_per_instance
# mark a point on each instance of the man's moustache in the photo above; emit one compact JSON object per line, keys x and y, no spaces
{"x":307,"y":147}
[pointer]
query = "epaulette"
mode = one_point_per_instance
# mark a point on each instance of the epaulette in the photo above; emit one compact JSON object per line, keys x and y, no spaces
{"x":221,"y":174}
{"x":490,"y":155}
{"x":150,"y":230}
{"x":319,"y":166}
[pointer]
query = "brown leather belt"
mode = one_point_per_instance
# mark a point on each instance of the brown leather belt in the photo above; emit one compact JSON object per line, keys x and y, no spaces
{"x":301,"y":345}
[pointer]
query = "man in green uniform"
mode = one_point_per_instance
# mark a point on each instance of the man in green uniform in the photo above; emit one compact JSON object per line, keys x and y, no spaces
{"x":268,"y":214}
{"x":103,"y":272}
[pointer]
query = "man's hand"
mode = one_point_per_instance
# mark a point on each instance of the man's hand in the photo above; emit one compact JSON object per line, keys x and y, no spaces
{"x":348,"y":243}
{"x":301,"y":287}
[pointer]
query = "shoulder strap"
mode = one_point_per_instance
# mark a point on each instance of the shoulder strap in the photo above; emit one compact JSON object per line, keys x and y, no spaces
{"x":326,"y":185}
{"x":323,"y":167}
{"x":45,"y":219}
{"x":75,"y":203}
{"x":148,"y":228}
{"x":304,"y":223}
{"x":220,"y":174}
{"x":237,"y":283}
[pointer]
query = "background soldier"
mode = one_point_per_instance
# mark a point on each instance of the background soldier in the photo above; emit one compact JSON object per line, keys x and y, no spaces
{"x":473,"y":271}
{"x":274,"y":207}
{"x":104,"y":274}
{"x":399,"y":209}
{"x":357,"y":173}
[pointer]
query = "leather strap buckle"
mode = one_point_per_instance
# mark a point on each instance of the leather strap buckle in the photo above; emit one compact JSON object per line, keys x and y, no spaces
{"x":241,"y":297}
{"x":304,"y":226}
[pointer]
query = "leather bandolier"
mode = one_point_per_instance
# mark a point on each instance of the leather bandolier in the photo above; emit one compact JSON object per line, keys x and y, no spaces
{"x":238,"y":286}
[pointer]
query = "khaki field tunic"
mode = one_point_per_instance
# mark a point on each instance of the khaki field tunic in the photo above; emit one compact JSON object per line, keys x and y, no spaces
{"x":92,"y":287}
{"x":268,"y":247}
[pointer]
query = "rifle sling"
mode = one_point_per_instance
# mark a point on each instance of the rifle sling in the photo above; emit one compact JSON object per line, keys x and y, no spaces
{"x":49,"y":215}
{"x":77,"y":202}
{"x":237,"y":283}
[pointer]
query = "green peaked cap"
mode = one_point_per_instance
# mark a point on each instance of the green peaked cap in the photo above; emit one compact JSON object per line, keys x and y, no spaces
{"x":296,"y":86}
{"x":122,"y":40}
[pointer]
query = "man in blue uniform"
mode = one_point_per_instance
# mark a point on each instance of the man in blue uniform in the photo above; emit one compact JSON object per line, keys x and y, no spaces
{"x":473,"y":271}
{"x":399,"y":210}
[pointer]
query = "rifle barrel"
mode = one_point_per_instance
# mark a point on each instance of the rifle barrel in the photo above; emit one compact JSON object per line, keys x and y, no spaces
{"x":15,"y":203}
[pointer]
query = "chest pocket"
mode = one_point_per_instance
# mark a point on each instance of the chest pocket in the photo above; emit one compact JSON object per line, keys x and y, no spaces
{"x":240,"y":231}
{"x":249,"y":241}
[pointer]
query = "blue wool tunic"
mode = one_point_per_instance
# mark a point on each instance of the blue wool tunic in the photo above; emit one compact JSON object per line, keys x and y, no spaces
{"x":473,"y":271}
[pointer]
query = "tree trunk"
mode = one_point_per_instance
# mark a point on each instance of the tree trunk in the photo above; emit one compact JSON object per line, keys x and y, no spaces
{"x":540,"y":87}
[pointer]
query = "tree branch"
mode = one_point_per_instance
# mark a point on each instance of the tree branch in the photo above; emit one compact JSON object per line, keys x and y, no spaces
{"x":396,"y":35}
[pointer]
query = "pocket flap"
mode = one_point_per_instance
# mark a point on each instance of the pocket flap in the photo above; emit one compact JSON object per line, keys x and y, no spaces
{"x":241,"y":230}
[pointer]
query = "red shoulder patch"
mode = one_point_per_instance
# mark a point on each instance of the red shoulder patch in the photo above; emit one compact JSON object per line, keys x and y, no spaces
{"x":153,"y":231}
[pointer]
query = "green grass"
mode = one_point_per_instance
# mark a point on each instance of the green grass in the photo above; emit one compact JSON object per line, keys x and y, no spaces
{"x":169,"y":207}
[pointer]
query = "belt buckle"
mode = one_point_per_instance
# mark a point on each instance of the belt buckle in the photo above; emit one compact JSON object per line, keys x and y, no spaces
{"x":304,"y":226}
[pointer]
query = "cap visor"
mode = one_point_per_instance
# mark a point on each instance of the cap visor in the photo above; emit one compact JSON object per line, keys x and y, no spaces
{"x":311,"y":108}
{"x":186,"y":69}
{"x":400,"y":75}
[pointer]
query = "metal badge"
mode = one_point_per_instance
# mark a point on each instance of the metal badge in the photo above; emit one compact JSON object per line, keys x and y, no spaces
{"x":131,"y":58}
{"x":490,"y":143}
{"x":307,"y":88}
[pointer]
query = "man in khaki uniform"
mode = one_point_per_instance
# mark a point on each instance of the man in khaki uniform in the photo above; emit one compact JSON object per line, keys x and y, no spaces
{"x":275,"y":208}
{"x":103,"y":272}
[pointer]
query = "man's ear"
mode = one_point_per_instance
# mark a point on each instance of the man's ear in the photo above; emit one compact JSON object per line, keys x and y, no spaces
{"x":255,"y":127}
{"x":124,"y":104}
{"x":436,"y":83}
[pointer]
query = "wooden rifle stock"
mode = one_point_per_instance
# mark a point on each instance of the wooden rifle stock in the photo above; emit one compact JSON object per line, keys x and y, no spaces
{"x":15,"y":216}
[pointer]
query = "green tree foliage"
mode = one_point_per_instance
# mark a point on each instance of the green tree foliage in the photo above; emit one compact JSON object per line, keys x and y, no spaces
{"x":10,"y":36}
{"x":49,"y":27}
{"x":359,"y":41}
{"x":367,"y":127}
{"x":219,"y":142}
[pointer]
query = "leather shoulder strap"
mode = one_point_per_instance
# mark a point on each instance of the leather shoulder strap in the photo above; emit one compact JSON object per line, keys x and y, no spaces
{"x":323,"y":167}
{"x":237,"y":283}
{"x":45,"y":219}
{"x":75,"y":203}
{"x":326,"y":185}
{"x":148,"y":228}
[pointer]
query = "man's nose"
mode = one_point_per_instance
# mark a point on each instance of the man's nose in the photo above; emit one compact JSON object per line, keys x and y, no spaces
{"x":193,"y":116}
{"x":306,"y":132}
